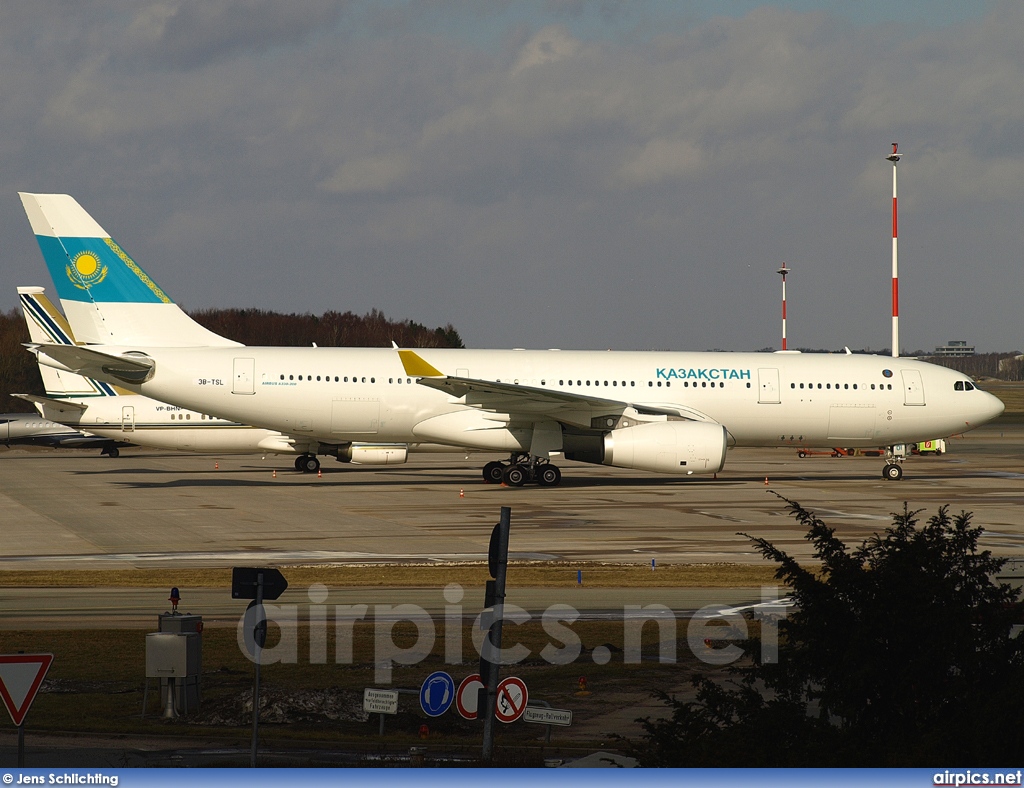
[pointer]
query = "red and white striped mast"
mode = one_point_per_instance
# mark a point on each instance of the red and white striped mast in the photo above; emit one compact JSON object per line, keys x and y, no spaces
{"x":783,"y":271}
{"x":894,"y":157}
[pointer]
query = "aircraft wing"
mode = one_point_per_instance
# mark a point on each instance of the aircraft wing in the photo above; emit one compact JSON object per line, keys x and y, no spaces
{"x":94,"y":364}
{"x":532,"y":402}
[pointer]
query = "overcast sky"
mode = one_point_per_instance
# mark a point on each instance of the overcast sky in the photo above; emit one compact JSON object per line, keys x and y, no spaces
{"x":546,"y":174}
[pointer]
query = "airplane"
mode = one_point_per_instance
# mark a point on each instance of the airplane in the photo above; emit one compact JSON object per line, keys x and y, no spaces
{"x":29,"y":429}
{"x":668,"y":412}
{"x":118,"y":414}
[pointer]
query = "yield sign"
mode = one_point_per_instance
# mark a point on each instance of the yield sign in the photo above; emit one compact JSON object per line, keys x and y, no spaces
{"x":20,"y":677}
{"x":511,"y":701}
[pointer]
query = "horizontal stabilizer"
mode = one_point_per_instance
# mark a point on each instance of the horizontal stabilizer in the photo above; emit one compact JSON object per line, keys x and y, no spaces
{"x":62,"y":403}
{"x":94,"y":364}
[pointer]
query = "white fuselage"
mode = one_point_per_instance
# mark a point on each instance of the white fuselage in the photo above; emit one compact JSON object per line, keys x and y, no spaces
{"x":336,"y":395}
{"x":146,"y":422}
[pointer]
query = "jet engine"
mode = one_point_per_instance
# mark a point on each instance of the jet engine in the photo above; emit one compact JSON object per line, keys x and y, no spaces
{"x":374,"y":453}
{"x":679,"y":447}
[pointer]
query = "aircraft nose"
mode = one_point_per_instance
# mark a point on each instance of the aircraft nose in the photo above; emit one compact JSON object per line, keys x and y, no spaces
{"x":991,"y":408}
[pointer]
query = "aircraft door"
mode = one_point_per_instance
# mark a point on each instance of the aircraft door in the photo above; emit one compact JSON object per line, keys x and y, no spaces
{"x":913,"y":387}
{"x":768,"y":386}
{"x":245,"y":376}
{"x":127,"y":418}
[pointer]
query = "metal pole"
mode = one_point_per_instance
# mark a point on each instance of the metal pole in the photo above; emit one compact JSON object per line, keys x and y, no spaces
{"x":783,"y":271}
{"x":894,"y":157}
{"x":258,"y":649}
{"x":21,"y":746}
{"x":504,"y":525}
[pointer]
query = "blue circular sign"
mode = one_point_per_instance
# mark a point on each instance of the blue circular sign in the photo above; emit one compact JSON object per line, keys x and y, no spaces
{"x":437,"y":693}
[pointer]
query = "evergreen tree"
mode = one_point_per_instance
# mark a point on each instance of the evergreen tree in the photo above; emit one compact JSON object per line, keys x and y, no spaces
{"x":897,"y":653}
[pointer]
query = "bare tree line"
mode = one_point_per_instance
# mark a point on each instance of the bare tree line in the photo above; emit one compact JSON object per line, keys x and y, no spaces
{"x":19,"y":374}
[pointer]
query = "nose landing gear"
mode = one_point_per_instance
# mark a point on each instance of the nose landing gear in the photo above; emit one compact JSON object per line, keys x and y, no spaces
{"x":894,"y":457}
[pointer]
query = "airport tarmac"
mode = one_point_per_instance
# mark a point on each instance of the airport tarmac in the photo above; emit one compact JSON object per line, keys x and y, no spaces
{"x":77,"y":510}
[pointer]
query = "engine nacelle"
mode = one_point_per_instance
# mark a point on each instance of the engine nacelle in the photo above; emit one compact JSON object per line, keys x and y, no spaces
{"x":679,"y":447}
{"x":374,"y":453}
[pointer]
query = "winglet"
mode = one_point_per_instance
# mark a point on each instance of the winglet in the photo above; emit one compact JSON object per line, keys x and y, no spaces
{"x":416,"y":367}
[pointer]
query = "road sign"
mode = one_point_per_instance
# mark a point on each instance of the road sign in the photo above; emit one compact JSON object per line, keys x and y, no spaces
{"x":437,"y":693}
{"x":547,"y":716}
{"x":244,"y":579}
{"x":378,"y":701}
{"x":20,"y":678}
{"x":512,"y":698}
{"x":466,"y":698}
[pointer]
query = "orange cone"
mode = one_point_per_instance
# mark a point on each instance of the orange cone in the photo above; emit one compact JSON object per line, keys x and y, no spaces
{"x":319,"y":473}
{"x":275,"y":473}
{"x":766,"y":480}
{"x":216,"y":466}
{"x":462,"y":493}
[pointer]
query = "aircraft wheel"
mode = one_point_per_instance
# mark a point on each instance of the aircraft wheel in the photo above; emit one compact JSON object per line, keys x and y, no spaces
{"x":514,"y":476}
{"x":299,"y":462}
{"x":310,"y":464}
{"x":801,"y":454}
{"x":114,"y":452}
{"x":493,"y":472}
{"x":549,"y":476}
{"x":892,"y":472}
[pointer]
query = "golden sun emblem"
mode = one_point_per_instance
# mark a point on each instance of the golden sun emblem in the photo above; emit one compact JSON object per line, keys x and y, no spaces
{"x":86,"y":270}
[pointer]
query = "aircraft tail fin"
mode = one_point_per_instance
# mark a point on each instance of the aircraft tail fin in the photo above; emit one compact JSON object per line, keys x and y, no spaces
{"x":107,"y":297}
{"x":46,"y":325}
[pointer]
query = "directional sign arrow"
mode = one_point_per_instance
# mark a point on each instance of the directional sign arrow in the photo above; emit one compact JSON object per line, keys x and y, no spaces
{"x":245,"y":578}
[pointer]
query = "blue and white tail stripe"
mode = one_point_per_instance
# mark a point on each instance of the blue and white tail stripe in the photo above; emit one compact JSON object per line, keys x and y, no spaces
{"x":49,"y":324}
{"x":46,"y":324}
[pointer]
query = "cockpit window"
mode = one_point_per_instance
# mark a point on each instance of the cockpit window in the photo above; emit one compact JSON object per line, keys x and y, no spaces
{"x":958,"y":386}
{"x":968,"y":386}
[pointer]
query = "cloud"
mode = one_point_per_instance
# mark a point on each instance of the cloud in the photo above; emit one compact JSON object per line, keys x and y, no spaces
{"x":548,"y":185}
{"x":192,"y":33}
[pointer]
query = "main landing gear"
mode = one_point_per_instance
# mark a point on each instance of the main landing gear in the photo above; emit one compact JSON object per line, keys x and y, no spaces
{"x":894,"y":457}
{"x":307,"y":463}
{"x":520,"y":469}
